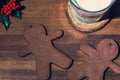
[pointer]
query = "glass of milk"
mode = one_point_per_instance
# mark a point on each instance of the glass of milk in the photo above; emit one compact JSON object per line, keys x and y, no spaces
{"x":90,"y":11}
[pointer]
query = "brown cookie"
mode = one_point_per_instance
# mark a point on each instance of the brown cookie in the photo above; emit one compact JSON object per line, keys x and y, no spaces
{"x":41,"y":44}
{"x":99,"y":60}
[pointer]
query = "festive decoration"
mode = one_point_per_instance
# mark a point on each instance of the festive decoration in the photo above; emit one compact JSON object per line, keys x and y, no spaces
{"x":10,"y":8}
{"x":100,"y":59}
{"x":41,"y":44}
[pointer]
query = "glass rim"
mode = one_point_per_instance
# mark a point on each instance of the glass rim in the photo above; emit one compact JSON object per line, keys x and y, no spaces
{"x":71,"y":1}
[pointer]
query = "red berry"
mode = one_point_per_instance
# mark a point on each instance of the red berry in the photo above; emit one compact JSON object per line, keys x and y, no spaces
{"x":9,"y":12}
{"x":7,"y":8}
{"x":12,"y":4}
{"x":18,"y":6}
{"x":12,"y":0}
{"x":13,"y":8}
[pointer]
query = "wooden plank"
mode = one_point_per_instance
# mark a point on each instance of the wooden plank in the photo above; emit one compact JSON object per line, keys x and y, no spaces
{"x":51,"y":13}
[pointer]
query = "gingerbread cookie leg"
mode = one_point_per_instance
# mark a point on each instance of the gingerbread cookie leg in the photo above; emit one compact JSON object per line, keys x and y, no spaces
{"x":98,"y":75}
{"x":61,"y":60}
{"x":75,"y":75}
{"x":43,"y":69}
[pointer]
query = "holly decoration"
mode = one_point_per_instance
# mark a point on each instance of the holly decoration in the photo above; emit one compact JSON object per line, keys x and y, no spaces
{"x":10,"y":8}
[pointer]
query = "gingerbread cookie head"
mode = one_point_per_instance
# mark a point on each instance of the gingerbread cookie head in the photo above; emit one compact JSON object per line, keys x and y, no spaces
{"x":108,"y":49}
{"x":35,"y":31}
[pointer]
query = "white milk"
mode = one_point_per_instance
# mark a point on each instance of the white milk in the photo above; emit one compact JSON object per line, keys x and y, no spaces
{"x":93,"y":5}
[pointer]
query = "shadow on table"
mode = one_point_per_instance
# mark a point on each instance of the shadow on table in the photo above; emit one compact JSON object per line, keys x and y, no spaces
{"x":113,"y":12}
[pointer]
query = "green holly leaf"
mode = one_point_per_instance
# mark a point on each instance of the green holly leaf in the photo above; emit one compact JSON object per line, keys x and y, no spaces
{"x":19,"y":0}
{"x":18,"y":14}
{"x":6,"y":21}
{"x":1,"y":19}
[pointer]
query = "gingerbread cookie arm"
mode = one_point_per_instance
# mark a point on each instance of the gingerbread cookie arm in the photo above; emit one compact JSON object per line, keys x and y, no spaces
{"x":88,"y":50}
{"x":60,"y":59}
{"x":56,"y":34}
{"x":24,"y":51}
{"x":75,"y":73}
{"x":115,"y":67}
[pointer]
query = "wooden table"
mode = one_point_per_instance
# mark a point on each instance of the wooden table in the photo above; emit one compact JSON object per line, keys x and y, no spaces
{"x":51,"y":13}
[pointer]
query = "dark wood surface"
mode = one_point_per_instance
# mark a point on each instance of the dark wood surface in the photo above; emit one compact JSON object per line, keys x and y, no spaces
{"x":51,"y":13}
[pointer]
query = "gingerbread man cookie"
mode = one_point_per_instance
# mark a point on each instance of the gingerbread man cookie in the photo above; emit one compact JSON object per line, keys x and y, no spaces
{"x":99,"y":60}
{"x":41,"y":44}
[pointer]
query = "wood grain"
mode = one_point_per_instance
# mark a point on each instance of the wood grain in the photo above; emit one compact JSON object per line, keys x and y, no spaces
{"x":51,"y":13}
